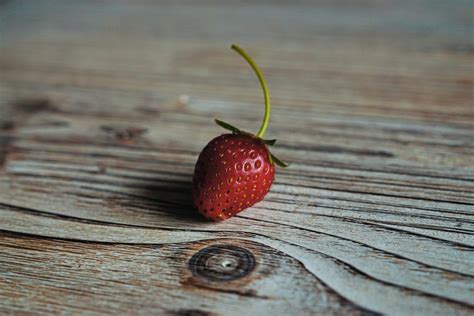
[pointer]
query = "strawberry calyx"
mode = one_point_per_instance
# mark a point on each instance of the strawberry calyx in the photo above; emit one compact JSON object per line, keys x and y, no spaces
{"x":267,"y":142}
{"x":237,"y":131}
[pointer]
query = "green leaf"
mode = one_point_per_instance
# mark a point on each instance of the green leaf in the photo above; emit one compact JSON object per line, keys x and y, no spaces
{"x":269,"y":142}
{"x":227,"y":126}
{"x":278,"y":161}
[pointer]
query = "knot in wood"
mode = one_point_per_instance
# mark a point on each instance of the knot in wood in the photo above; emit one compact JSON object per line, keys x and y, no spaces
{"x":222,"y":263}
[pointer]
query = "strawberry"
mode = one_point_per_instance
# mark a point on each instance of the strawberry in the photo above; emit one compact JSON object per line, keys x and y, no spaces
{"x":235,"y":171}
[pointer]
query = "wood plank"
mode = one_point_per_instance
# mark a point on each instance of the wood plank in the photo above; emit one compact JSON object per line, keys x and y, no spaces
{"x":105,"y":106}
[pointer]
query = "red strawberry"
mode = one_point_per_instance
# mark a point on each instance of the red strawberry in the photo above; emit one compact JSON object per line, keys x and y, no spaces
{"x":234,"y":171}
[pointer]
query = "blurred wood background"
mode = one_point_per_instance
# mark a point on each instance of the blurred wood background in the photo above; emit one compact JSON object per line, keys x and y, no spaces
{"x":105,"y":105}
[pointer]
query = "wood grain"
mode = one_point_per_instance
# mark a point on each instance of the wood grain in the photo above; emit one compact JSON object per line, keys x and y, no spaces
{"x":372,"y":104}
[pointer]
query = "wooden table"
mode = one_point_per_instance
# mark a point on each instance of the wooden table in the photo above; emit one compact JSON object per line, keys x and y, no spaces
{"x":105,"y":106}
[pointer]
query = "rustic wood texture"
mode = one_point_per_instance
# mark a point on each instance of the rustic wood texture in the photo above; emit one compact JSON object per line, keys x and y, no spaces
{"x":104,"y":107}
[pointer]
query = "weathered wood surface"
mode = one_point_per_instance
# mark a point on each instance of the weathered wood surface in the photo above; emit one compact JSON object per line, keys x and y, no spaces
{"x":373,"y":105}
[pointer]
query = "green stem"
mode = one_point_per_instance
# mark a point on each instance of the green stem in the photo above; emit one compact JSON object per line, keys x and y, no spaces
{"x":260,"y":76}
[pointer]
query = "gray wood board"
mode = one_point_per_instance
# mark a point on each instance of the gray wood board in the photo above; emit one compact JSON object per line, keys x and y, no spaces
{"x":105,"y":106}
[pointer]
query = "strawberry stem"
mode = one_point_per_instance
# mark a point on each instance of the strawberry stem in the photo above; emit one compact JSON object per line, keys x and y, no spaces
{"x":261,"y":78}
